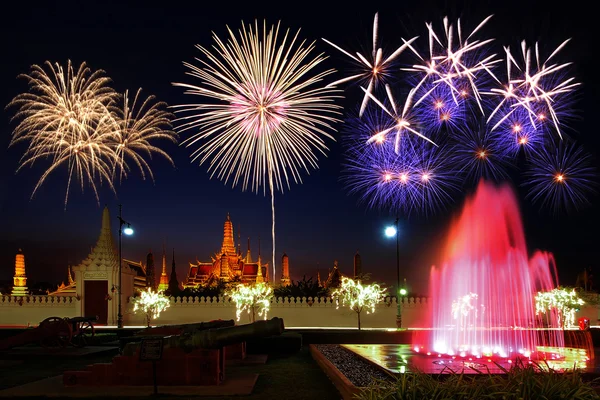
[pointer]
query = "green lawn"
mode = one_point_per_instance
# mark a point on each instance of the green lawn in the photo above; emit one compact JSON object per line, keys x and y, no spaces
{"x":292,"y":377}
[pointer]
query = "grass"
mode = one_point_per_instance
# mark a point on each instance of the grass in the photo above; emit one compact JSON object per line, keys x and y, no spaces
{"x":291,"y":377}
{"x":520,"y":382}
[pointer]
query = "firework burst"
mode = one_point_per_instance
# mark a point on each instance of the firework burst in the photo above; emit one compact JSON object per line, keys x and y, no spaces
{"x":270,"y":117}
{"x":404,"y":121}
{"x":479,"y":153}
{"x":561,"y":177}
{"x":375,"y":71}
{"x":140,"y":124}
{"x":538,"y":88}
{"x":70,"y":117}
{"x":65,"y":118}
{"x":454,"y":62}
{"x":417,"y":177}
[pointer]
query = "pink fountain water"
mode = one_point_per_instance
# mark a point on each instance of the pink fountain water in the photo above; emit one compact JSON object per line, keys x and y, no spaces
{"x":483,"y":293}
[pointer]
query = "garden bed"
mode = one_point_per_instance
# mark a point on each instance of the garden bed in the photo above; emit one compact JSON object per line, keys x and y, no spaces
{"x":355,"y":377}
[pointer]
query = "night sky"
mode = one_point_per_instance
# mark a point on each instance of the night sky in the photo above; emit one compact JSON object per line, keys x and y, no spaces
{"x":143,"y":44}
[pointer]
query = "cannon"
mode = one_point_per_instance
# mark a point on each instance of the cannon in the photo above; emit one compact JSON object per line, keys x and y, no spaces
{"x":185,"y":328}
{"x":167,"y":330}
{"x":55,"y":332}
{"x":216,"y":338}
{"x":191,"y":358}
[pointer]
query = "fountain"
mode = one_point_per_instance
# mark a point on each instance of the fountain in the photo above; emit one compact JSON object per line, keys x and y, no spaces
{"x":483,"y":300}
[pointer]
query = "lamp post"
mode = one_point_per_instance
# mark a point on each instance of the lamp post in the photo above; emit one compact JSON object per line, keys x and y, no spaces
{"x":128,"y":231}
{"x":391,"y":231}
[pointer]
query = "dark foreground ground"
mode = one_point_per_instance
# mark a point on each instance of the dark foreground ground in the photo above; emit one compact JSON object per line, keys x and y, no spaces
{"x":295,"y":376}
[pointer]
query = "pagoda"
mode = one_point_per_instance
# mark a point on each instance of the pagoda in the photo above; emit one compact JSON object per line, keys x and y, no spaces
{"x":163,"y":284}
{"x":228,"y":264}
{"x":20,"y":279}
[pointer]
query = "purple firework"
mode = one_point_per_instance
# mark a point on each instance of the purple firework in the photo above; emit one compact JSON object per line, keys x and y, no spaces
{"x":540,"y":89}
{"x":479,"y":153}
{"x":561,"y":177}
{"x":415,"y":178}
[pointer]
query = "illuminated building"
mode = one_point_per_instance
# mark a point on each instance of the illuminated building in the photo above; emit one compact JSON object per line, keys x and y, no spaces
{"x":285,"y":270}
{"x":163,"y":284}
{"x":20,"y":279}
{"x":228,"y":264}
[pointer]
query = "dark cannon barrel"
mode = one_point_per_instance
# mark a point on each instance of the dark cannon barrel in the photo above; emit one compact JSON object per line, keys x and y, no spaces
{"x":185,"y":328}
{"x":218,"y":337}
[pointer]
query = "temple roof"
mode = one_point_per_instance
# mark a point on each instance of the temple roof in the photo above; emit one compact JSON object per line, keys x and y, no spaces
{"x":103,"y":255}
{"x":136,"y":266}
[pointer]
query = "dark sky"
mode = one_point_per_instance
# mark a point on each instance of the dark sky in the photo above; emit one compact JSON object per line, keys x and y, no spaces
{"x":143,"y":44}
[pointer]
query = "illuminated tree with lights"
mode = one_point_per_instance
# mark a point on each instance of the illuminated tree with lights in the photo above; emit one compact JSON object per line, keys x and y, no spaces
{"x":254,"y":299}
{"x":151,"y":303}
{"x":564,"y":301}
{"x":358,"y":297}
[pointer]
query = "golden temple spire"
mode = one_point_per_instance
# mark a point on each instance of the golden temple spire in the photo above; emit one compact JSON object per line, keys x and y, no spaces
{"x":164,"y":278}
{"x":259,"y":275}
{"x":248,"y":255}
{"x":20,"y":279}
{"x":228,"y":246}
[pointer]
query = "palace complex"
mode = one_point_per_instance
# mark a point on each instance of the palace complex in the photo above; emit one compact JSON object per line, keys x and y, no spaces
{"x":229,"y":265}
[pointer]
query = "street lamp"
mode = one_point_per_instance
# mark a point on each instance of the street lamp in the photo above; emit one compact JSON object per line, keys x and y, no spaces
{"x":128,"y":230}
{"x":390,"y":232}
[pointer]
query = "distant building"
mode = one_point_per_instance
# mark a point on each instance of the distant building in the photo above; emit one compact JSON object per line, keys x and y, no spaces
{"x":20,"y":279}
{"x":173,"y":282}
{"x":150,"y":272}
{"x":163,"y":283}
{"x":228,"y":264}
{"x":334,"y":279}
{"x":357,"y":266}
{"x":285,"y":270}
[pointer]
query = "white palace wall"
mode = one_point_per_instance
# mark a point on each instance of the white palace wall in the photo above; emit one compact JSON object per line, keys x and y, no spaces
{"x":31,"y":310}
{"x":296,"y":312}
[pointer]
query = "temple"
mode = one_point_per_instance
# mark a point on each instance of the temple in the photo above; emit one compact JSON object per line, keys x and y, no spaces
{"x":228,"y":264}
{"x":20,"y":279}
{"x":173,"y":282}
{"x":163,"y":284}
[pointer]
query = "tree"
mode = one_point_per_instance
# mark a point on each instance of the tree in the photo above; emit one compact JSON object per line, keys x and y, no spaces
{"x":359,"y":297}
{"x":254,"y":298}
{"x":303,"y":288}
{"x":151,"y":303}
{"x":564,"y":302}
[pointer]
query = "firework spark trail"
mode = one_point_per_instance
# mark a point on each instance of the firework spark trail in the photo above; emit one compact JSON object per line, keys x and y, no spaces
{"x":271,"y":117}
{"x":402,"y":117}
{"x":70,"y":117}
{"x":561,"y":176}
{"x":537,"y":87}
{"x":141,"y":123}
{"x":457,"y":65}
{"x":376,"y":71}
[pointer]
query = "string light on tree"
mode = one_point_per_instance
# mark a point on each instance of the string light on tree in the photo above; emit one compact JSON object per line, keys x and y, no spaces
{"x":358,"y":297}
{"x":564,"y":302}
{"x":254,"y":299}
{"x":151,"y":303}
